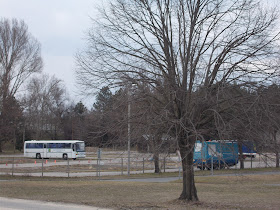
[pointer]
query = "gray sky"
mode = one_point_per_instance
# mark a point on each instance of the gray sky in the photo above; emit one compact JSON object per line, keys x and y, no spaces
{"x":60,"y":26}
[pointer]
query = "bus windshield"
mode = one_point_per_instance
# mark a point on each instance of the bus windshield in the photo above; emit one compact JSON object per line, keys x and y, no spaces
{"x":80,"y":147}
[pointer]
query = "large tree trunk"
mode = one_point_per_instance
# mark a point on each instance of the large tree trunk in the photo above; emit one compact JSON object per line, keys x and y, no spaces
{"x":276,"y":148}
{"x":156,"y":162}
{"x":241,"y":156}
{"x":155,"y":147}
{"x":277,"y":159}
{"x":189,"y":192}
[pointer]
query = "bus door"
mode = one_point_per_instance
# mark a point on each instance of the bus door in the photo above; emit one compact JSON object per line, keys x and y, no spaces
{"x":73,"y":152}
{"x":45,"y":151}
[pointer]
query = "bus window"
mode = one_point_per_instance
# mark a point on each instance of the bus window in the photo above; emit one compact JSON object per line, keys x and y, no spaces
{"x":34,"y":145}
{"x":80,"y":147}
{"x":50,"y":145}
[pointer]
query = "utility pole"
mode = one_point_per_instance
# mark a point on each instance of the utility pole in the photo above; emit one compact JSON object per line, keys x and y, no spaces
{"x":23,"y":135}
{"x":128,"y":131}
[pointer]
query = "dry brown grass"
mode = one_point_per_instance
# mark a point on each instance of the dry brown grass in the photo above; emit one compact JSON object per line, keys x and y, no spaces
{"x":223,"y":192}
{"x":241,"y":192}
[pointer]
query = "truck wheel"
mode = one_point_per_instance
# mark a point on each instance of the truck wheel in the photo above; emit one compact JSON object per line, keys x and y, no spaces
{"x":65,"y":156}
{"x":215,"y":167}
{"x":201,"y":168}
{"x":38,"y":156}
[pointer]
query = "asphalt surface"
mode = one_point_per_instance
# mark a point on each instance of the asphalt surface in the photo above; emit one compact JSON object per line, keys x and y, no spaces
{"x":170,"y":179}
{"x":158,"y":180}
{"x":20,"y":204}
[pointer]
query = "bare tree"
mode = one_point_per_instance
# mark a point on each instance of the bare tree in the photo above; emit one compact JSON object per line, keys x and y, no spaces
{"x":186,"y":50}
{"x":147,"y":120}
{"x":19,"y":58}
{"x":45,"y":105}
{"x":268,"y":117}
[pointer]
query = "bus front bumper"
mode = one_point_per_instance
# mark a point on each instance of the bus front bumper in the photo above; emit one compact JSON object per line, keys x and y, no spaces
{"x":80,"y":154}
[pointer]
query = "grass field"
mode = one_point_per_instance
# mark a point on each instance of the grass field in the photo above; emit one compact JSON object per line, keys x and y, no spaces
{"x":215,"y":192}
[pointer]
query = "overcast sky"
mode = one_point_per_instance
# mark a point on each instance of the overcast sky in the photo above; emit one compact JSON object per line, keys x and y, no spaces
{"x":60,"y":26}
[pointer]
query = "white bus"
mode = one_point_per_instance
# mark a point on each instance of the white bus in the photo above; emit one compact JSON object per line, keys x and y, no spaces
{"x":54,"y":149}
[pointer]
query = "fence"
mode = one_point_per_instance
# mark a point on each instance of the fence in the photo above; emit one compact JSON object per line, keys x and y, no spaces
{"x":110,"y":164}
{"x":82,"y":167}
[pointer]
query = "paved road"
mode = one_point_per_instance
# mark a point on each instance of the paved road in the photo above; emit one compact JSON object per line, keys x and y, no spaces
{"x":102,"y":173}
{"x":159,"y":180}
{"x":20,"y":204}
{"x":169,"y":179}
{"x":82,"y":174}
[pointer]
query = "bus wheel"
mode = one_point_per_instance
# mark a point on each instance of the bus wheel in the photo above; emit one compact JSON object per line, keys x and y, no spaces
{"x":38,"y":156}
{"x":65,"y":157}
{"x":74,"y":158}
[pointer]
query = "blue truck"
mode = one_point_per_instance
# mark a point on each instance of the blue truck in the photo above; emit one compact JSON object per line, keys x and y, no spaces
{"x":221,"y":153}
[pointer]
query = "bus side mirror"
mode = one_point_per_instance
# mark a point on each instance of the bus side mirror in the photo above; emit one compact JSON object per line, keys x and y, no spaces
{"x":73,"y":147}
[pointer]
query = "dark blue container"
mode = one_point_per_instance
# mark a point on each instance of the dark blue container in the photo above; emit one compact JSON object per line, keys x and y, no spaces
{"x":222,"y":153}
